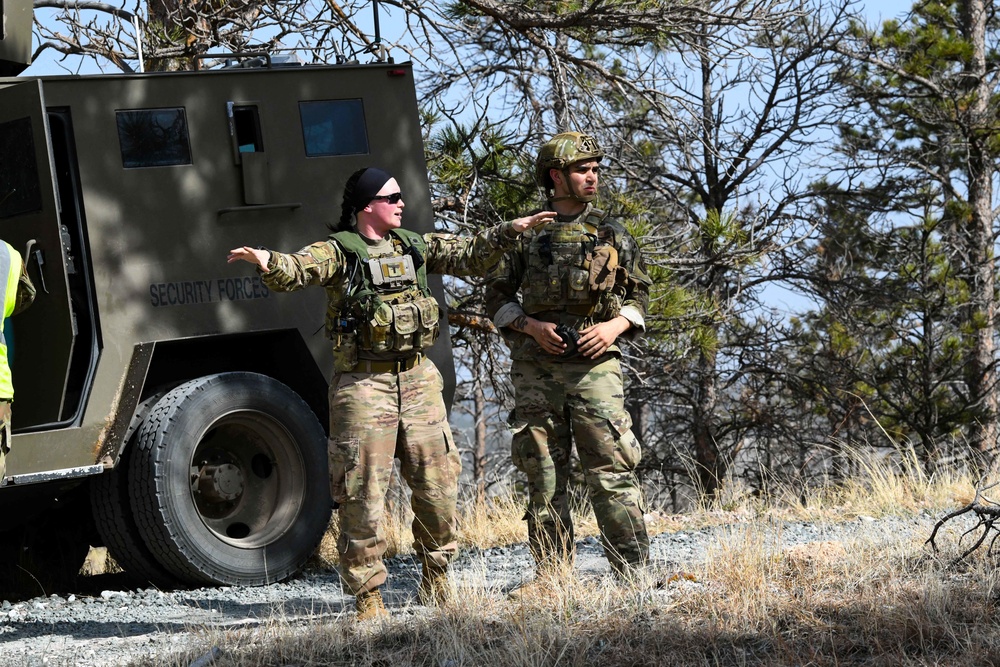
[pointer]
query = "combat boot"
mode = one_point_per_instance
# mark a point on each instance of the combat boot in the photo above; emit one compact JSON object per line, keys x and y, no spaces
{"x":370,"y":605}
{"x":435,"y":589}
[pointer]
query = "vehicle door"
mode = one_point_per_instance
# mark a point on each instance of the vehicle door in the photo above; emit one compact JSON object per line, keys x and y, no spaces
{"x":41,"y":338}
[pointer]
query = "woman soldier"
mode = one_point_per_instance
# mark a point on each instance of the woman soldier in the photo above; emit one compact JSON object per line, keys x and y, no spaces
{"x":386,"y":396}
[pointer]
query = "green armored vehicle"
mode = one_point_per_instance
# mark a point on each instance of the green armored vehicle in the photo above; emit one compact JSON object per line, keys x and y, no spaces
{"x":163,"y":397}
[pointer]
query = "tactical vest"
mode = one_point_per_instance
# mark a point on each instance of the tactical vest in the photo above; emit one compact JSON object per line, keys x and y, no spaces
{"x":387,"y":308}
{"x":557,"y":275}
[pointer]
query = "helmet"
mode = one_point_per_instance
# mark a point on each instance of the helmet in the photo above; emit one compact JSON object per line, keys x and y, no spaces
{"x":563,"y":150}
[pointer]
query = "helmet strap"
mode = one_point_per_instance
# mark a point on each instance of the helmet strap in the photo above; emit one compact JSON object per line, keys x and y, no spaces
{"x":572,"y":195}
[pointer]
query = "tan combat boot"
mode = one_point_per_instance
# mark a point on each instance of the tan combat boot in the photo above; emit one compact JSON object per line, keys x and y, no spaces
{"x":370,"y":605}
{"x":435,"y":589}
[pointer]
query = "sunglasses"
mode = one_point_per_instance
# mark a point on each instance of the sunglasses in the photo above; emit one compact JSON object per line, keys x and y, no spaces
{"x":392,"y":199}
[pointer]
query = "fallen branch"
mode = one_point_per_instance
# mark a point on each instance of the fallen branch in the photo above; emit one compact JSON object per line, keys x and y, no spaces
{"x":987,"y":512}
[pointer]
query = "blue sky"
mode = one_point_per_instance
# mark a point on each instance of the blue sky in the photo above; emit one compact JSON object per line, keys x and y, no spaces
{"x":390,"y":23}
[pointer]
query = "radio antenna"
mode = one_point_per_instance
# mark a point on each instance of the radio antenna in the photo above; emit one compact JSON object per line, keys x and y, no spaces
{"x":381,"y":53}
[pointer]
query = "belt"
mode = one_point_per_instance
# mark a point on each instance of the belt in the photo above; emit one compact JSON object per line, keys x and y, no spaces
{"x":583,"y":310}
{"x":391,"y":366}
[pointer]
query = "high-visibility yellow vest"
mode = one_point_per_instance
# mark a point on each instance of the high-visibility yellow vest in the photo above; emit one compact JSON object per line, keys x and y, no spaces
{"x":10,"y":271}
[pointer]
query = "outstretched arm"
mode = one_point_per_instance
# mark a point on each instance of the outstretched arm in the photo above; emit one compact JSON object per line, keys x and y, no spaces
{"x":255,"y":256}
{"x":317,"y":264}
{"x":454,"y":255}
{"x":522,"y":225}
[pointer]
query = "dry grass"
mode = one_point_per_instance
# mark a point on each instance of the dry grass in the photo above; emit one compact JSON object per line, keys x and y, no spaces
{"x":884,"y":599}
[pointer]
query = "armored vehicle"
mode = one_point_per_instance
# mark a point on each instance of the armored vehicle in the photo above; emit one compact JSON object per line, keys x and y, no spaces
{"x":162,"y":396}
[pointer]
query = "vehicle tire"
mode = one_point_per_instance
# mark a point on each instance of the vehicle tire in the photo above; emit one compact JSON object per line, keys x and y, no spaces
{"x":229,"y":481}
{"x":117,"y":527}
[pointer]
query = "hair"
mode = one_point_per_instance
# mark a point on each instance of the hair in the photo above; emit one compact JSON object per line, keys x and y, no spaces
{"x":346,"y":222}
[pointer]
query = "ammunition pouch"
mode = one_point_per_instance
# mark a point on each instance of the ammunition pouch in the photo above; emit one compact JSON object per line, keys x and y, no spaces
{"x":401,"y":327}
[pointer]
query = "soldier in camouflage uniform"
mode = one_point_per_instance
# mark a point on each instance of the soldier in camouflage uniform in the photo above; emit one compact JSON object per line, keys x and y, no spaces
{"x":582,"y":285}
{"x":386,"y":395}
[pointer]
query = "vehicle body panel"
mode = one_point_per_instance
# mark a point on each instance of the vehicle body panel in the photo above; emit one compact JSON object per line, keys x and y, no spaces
{"x":153,"y":239}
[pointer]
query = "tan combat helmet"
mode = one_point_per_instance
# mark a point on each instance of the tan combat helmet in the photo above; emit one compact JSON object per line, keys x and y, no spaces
{"x":560,"y":152}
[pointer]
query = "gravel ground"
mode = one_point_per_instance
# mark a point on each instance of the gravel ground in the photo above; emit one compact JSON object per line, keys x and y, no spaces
{"x":114,"y":627}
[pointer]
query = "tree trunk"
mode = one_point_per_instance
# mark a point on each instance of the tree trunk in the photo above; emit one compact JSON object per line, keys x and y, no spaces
{"x":982,"y":370}
{"x":711,"y":466}
{"x":479,"y":455}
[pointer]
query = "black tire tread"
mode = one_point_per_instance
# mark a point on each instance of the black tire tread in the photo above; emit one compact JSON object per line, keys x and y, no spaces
{"x":159,"y":533}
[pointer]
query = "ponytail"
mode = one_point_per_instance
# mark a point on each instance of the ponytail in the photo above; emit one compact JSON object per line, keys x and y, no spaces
{"x":346,"y":222}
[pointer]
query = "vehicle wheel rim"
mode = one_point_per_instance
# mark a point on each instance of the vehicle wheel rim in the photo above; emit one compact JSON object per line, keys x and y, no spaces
{"x":243,"y":479}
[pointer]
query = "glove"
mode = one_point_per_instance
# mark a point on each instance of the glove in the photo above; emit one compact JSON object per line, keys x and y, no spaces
{"x":602,"y":268}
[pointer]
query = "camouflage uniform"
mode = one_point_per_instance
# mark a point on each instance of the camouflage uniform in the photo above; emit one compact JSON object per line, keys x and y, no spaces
{"x":386,"y":397}
{"x":561,"y":399}
{"x":18,"y":293}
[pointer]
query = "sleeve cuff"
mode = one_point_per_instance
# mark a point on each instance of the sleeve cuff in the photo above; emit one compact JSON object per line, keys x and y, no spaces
{"x":507,"y":314}
{"x":635,"y":318}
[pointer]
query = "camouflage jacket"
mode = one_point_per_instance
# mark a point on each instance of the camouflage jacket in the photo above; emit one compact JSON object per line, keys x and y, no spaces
{"x":537,"y":277}
{"x":327,"y":264}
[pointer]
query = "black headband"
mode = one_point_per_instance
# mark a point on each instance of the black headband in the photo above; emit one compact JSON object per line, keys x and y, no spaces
{"x":369,"y":183}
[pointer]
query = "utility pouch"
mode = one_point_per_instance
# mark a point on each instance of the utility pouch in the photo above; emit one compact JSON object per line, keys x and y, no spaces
{"x":376,"y":334}
{"x":430,"y":314}
{"x":345,"y":351}
{"x":554,"y":287}
{"x":390,"y":271}
{"x":407,"y":320}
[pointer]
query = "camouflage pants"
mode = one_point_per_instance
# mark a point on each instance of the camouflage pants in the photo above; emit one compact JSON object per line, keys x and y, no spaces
{"x":4,"y":437}
{"x":375,"y":418}
{"x":561,"y":402}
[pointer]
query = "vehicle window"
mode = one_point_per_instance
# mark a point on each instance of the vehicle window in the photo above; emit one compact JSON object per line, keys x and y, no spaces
{"x":20,"y":190}
{"x":246,"y":129}
{"x":153,"y":137}
{"x":334,"y":127}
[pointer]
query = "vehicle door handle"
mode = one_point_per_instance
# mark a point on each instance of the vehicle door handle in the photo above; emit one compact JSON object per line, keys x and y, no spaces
{"x":39,"y":260}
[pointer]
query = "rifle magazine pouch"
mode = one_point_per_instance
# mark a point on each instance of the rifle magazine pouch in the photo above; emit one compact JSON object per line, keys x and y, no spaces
{"x":376,"y":335}
{"x":430,"y":314}
{"x":406,"y":318}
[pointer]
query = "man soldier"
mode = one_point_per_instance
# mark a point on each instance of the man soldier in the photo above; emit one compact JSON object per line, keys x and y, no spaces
{"x":582,"y":285}
{"x":386,"y":396}
{"x":18,"y":294}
